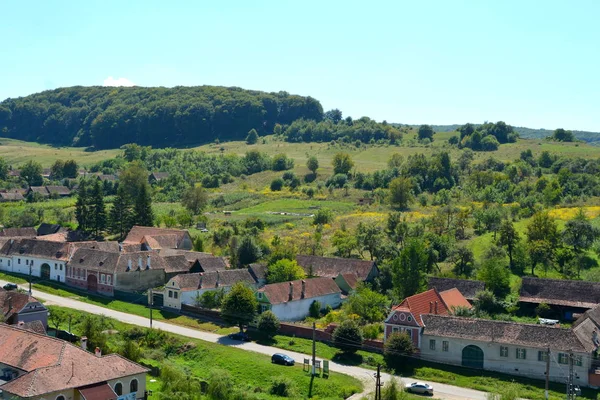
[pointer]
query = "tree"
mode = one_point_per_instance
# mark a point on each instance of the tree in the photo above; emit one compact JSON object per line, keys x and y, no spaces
{"x":345,"y":243}
{"x":540,"y":252}
{"x":312,"y":164}
{"x":580,"y":233}
{"x":396,"y":347}
{"x":277,"y":184}
{"x":284,"y":271}
{"x":93,"y":328}
{"x":409,"y":269}
{"x":314,"y":311}
{"x":370,"y":237}
{"x":248,"y":251}
{"x":495,"y":275}
{"x":133,"y":178}
{"x":3,"y":169}
{"x":57,"y":169}
{"x":561,"y":135}
{"x":369,"y":305}
{"x":268,"y":323}
{"x":142,"y":209}
{"x":542,"y":227}
{"x":120,"y":218}
{"x":322,"y":216}
{"x":348,"y":337}
{"x":401,"y":192}
{"x":194,"y":199}
{"x":70,"y":169}
{"x":342,"y":163}
{"x":239,"y":305}
{"x":463,"y":259}
{"x":97,"y":208}
{"x":32,"y":173}
{"x":509,"y":237}
{"x":252,"y":137}
{"x":82,"y":206}
{"x":333,"y":115}
{"x":425,"y":132}
{"x":57,"y":317}
{"x":131,"y":350}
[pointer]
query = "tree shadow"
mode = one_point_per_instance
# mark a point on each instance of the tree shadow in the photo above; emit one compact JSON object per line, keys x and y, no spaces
{"x":351,"y":359}
{"x":310,"y":386}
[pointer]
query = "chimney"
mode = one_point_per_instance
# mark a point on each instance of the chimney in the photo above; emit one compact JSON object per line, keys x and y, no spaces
{"x":303,"y":289}
{"x":291,"y":296}
{"x":436,"y":308}
{"x":83,"y":342}
{"x":218,"y":276}
{"x":431,"y":307}
{"x":148,"y":261}
{"x":98,"y":352}
{"x":21,"y":323}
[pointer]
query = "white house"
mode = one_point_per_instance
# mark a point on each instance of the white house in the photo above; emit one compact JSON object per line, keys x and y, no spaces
{"x":185,"y":288}
{"x":291,"y":301}
{"x":507,"y":347}
{"x":40,"y":258}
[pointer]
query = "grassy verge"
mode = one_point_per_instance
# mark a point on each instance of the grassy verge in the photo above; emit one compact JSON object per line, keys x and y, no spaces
{"x":251,"y":372}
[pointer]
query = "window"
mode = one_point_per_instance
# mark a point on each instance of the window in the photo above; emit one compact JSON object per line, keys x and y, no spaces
{"x":133,"y":386}
{"x":521,"y":354}
{"x":170,"y":294}
{"x":102,"y":278}
{"x":55,"y":266}
{"x":578,"y":361}
{"x":563,"y":358}
{"x":408,"y":332}
{"x":119,"y":388}
{"x":432,"y":344}
{"x":60,"y":267}
{"x":175,"y":294}
{"x":395,"y":329}
{"x":108,"y":279}
{"x":259,"y":293}
{"x":263,"y":308}
{"x":445,"y":345}
{"x":542,"y":355}
{"x":18,"y":261}
{"x":9,"y":263}
{"x":409,"y":319}
{"x":503,"y":351}
{"x":26,"y":262}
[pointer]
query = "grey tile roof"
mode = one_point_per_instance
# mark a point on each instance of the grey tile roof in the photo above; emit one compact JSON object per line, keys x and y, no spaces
{"x":561,"y":292}
{"x":331,"y":267}
{"x":213,"y":280}
{"x":467,"y":287}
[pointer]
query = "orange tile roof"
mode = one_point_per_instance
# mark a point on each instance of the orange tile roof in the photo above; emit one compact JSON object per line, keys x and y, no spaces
{"x":425,"y":303}
{"x":454,"y":298}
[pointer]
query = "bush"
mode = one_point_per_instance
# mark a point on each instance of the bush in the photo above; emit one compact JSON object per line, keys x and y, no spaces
{"x":277,"y":184}
{"x":486,"y":302}
{"x":372,"y":331}
{"x":315,"y":309}
{"x":220,"y":385}
{"x":338,"y":180}
{"x":131,"y":350}
{"x":281,"y":162}
{"x":543,"y":310}
{"x":348,"y":337}
{"x":391,"y":391}
{"x":322,"y":216}
{"x":268,"y":323}
{"x":396,"y":346}
{"x":283,"y":387}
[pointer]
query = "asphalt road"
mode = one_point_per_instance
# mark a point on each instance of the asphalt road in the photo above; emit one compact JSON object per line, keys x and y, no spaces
{"x":365,"y":375}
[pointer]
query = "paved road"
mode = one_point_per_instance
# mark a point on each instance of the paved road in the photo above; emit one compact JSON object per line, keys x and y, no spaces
{"x":365,"y":375}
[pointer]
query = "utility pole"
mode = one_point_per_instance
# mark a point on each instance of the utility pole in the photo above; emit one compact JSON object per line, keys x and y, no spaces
{"x":150,"y":303}
{"x":314,"y":350}
{"x":30,"y":279}
{"x":570,"y":382}
{"x":547,"y":372}
{"x":378,"y":383}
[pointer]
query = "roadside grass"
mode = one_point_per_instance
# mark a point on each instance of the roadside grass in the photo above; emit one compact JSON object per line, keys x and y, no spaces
{"x":251,"y":372}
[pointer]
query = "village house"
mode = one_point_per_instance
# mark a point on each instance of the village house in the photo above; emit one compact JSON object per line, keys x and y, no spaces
{"x":199,"y":261}
{"x":40,"y":258}
{"x":19,"y":308}
{"x":18,"y":232}
{"x":35,"y":366}
{"x":406,"y":317}
{"x":158,"y":238}
{"x":156,"y":177}
{"x":11,"y":196}
{"x":185,"y":288}
{"x":291,"y":301}
{"x":468,"y":288}
{"x":565,"y":297}
{"x":259,"y":273}
{"x":507,"y":347}
{"x":332,"y":267}
{"x":105,"y":272}
{"x":50,"y":191}
{"x":347,"y":282}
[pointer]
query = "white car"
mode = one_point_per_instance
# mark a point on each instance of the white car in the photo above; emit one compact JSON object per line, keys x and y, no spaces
{"x":420,"y":387}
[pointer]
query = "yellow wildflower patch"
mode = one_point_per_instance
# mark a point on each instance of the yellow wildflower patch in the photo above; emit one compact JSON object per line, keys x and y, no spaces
{"x":566,"y":214}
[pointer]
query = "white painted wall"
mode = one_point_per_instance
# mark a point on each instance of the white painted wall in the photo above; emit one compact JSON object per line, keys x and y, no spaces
{"x":127,"y":395}
{"x":57,"y":267}
{"x":298,"y":310}
{"x":529,"y":367}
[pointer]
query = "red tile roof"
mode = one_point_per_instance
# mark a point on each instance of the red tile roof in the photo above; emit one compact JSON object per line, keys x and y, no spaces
{"x":12,"y":302}
{"x":101,"y":391}
{"x":278,"y":293}
{"x":454,"y":298}
{"x":53,"y":365}
{"x":425,"y":303}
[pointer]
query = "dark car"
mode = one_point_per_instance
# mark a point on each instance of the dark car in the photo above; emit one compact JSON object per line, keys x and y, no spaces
{"x":282,"y":359}
{"x":241,"y":336}
{"x":10,"y":286}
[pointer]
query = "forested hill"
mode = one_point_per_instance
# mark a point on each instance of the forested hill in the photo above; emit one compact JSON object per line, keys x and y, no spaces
{"x":108,"y":117}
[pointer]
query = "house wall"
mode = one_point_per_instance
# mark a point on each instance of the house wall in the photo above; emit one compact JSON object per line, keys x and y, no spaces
{"x":530,"y":367}
{"x":186,"y":243}
{"x":171,"y":301}
{"x":80,"y":282}
{"x":298,"y":309}
{"x":414,"y":333}
{"x":137,"y":281}
{"x":33,"y":312}
{"x":19,"y":264}
{"x":6,"y":264}
{"x":127,"y":395}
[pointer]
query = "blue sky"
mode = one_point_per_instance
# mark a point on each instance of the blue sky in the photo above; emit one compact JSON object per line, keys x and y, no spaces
{"x":532,"y":63}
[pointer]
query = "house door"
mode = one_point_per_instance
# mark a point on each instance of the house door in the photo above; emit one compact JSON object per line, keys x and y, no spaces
{"x":92,"y":283}
{"x":472,"y":356}
{"x":45,"y":271}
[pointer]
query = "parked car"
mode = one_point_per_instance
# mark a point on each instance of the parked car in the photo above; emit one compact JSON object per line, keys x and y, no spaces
{"x":241,"y":336}
{"x":10,"y":286}
{"x":420,"y":387}
{"x":282,"y":359}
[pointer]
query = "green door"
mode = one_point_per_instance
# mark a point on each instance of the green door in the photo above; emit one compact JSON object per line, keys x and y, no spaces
{"x":472,"y":356}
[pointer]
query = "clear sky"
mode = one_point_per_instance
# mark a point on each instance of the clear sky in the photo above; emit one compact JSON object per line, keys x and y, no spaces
{"x":532,"y":63}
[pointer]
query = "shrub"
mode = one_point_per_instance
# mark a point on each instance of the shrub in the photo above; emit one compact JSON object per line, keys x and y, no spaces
{"x":322,"y":217}
{"x":281,"y":162}
{"x":283,"y":386}
{"x":391,"y":391}
{"x":396,"y":346}
{"x":543,"y":310}
{"x":348,"y":337}
{"x":315,"y":309}
{"x":268,"y":323}
{"x":277,"y":184}
{"x":372,"y":331}
{"x":220,"y":385}
{"x":131,"y":350}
